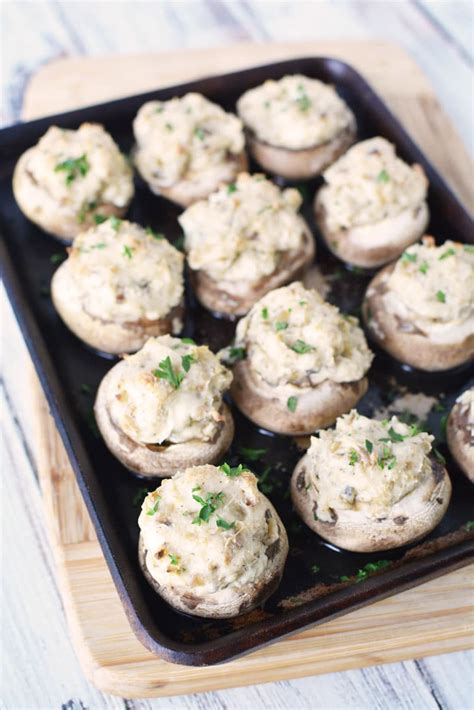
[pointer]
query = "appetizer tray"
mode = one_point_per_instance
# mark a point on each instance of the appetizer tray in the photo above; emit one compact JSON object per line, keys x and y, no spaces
{"x":320,"y":581}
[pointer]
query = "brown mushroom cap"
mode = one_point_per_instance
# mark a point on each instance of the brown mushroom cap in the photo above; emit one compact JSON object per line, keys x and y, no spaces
{"x":402,"y":340}
{"x":317,"y":407}
{"x":413,"y":517}
{"x":460,"y":440}
{"x":362,"y":245}
{"x":300,"y":164}
{"x":105,"y":335}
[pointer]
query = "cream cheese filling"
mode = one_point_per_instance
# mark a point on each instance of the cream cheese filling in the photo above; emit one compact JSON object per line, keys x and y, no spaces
{"x":366,"y":465}
{"x":465,"y":401}
{"x":295,"y":112}
{"x":124,"y":273}
{"x":210,"y":556}
{"x":292,"y":336}
{"x":182,"y":404}
{"x":239,"y":234}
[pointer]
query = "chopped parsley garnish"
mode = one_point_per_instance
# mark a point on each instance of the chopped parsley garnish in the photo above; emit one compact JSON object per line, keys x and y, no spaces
{"x":292,"y":403}
{"x":233,"y":471}
{"x":367,"y":570}
{"x":179,"y":243}
{"x":438,"y":455}
{"x":265,"y":313}
{"x":165,"y":372}
{"x":169,"y":126}
{"x":139,"y":497}
{"x":173,"y":559}
{"x":209,"y":506}
{"x":236,"y":354}
{"x":407,"y":256}
{"x":73,"y":167}
{"x":353,"y":457}
{"x":315,"y":569}
{"x":221,"y":523}
{"x":252,"y":454}
{"x":100,"y":218}
{"x":394,"y":436}
{"x":188,"y":341}
{"x":424,"y":266}
{"x":154,"y":509}
{"x":383,"y":176}
{"x":115,"y":223}
{"x":469,"y":248}
{"x":127,"y":251}
{"x":441,"y":296}
{"x":469,"y":526}
{"x":281,"y":325}
{"x":301,"y":347}
{"x":159,"y":109}
{"x":85,"y":389}
{"x":263,"y":483}
{"x":199,"y":133}
{"x":57,"y":258}
{"x":303,"y":100}
{"x":369,"y":446}
{"x":448,"y":252}
{"x":386,"y":458}
{"x":187,"y":361}
{"x":156,"y":235}
{"x":232,"y":187}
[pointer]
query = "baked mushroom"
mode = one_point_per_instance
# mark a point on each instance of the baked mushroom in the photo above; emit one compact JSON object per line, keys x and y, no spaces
{"x":460,"y":432}
{"x":68,"y":177}
{"x":120,"y":285}
{"x":421,"y":309}
{"x":296,"y":126}
{"x":243,"y":241}
{"x":187,"y":147}
{"x":211,"y":544}
{"x":302,"y":362}
{"x":161,"y":410}
{"x":373,"y":204}
{"x":367,"y":485}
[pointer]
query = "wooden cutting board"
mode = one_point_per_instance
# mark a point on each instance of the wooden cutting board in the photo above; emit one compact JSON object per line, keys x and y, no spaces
{"x":434,"y":618}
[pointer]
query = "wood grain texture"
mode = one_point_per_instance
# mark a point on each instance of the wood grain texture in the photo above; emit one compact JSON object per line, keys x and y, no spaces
{"x":437,"y":617}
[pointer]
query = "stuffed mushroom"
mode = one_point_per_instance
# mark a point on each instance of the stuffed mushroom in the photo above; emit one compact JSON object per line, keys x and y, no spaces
{"x":69,"y":176}
{"x":368,"y":485}
{"x":296,"y":126}
{"x":302,"y":362}
{"x":120,"y":285}
{"x":243,"y":241}
{"x":211,"y":544}
{"x":161,"y":410}
{"x":373,"y":204}
{"x":460,"y":432}
{"x":187,"y":147}
{"x":421,"y":309}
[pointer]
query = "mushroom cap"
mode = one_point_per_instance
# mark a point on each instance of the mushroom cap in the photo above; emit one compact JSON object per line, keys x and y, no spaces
{"x":460,"y":440}
{"x":372,"y":245}
{"x":413,"y":517}
{"x":317,"y":406}
{"x":410,"y":347}
{"x":105,"y":335}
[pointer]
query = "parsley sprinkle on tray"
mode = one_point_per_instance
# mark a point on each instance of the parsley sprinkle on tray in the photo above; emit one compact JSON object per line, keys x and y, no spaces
{"x":252,"y":454}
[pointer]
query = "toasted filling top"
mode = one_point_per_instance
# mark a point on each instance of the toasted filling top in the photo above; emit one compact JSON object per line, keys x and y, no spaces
{"x":81,"y":169}
{"x":433,"y":288}
{"x":295,"y":112}
{"x":465,"y":402}
{"x":366,"y":465}
{"x":170,"y":391}
{"x":183,"y":137}
{"x":207,"y":532}
{"x":369,"y":184}
{"x":240,"y":232}
{"x":124,"y":273}
{"x":292,"y":336}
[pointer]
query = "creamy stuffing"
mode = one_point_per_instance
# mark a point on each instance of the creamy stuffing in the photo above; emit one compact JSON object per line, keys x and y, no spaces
{"x":81,"y":169}
{"x":168,"y":392}
{"x":124,"y":273}
{"x":465,"y":403}
{"x":183,"y":137}
{"x":295,"y":112}
{"x":239,"y":234}
{"x":366,"y":465}
{"x":292,"y":336}
{"x":220,"y":549}
{"x":369,"y":184}
{"x":432,"y":288}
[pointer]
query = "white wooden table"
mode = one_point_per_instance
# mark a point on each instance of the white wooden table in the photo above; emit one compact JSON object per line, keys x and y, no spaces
{"x":39,"y":666}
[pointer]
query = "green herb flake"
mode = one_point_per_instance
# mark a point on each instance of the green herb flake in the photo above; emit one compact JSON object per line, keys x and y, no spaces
{"x":85,"y":389}
{"x":174,"y":560}
{"x":264,"y":484}
{"x":221,"y":523}
{"x":438,"y":455}
{"x":139,"y":497}
{"x":383,"y":176}
{"x":469,"y":248}
{"x":187,"y":361}
{"x":188,"y":341}
{"x":303,"y":101}
{"x":408,"y":257}
{"x":169,"y":126}
{"x":424,"y":266}
{"x":127,"y":251}
{"x":369,"y":446}
{"x":237,"y":354}
{"x":469,"y":526}
{"x":301,"y":347}
{"x":252,"y":454}
{"x":315,"y":569}
{"x":447,"y":253}
{"x":156,"y":235}
{"x":441,"y":296}
{"x":100,"y":218}
{"x":57,"y":258}
{"x":154,"y":509}
{"x":386,"y":458}
{"x":115,"y":223}
{"x":233,"y":471}
{"x":281,"y":325}
{"x":165,"y":372}
{"x":73,"y":167}
{"x":265,"y":313}
{"x":292,"y":403}
{"x":199,"y":133}
{"x":353,"y":457}
{"x":209,"y":506}
{"x":231,"y":188}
